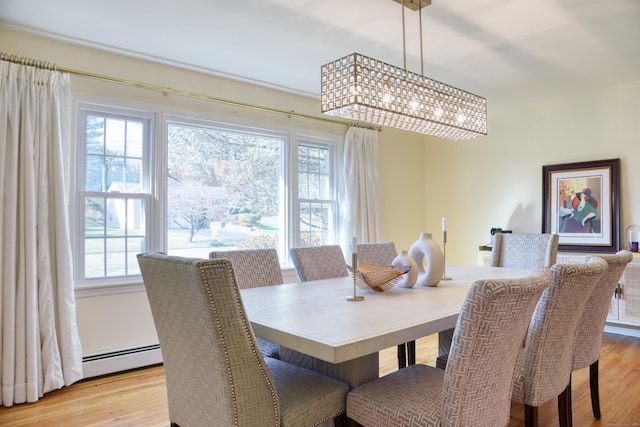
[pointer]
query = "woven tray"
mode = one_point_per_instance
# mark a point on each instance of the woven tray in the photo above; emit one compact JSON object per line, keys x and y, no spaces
{"x":380,"y":278}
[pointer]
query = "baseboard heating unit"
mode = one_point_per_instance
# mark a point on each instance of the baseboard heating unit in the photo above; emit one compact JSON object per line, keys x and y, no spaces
{"x":121,"y":360}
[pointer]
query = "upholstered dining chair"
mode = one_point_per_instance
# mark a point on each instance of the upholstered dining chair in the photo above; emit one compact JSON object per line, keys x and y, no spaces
{"x":544,"y":364}
{"x":384,"y":253}
{"x":475,"y":387}
{"x":319,"y":262}
{"x":591,"y":326}
{"x":215,"y":375}
{"x":314,"y":263}
{"x":524,"y":250}
{"x":255,"y":268}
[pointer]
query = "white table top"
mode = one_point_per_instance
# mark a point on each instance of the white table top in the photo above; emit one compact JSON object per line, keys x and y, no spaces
{"x":315,"y":317}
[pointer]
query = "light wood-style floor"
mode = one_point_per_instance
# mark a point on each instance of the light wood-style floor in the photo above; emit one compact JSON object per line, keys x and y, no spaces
{"x":138,"y":398}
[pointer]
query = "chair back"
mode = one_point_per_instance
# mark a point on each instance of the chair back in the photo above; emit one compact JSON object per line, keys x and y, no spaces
{"x":319,"y":262}
{"x":589,"y":335}
{"x":490,"y":329}
{"x":253,"y":267}
{"x":382,"y":253}
{"x":215,"y":374}
{"x":545,"y":363}
{"x":524,"y":250}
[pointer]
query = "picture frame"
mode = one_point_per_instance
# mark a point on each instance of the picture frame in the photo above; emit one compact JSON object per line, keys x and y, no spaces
{"x":581,"y":203}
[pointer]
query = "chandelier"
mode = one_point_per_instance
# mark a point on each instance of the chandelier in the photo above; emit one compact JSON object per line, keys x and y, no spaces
{"x":361,"y":88}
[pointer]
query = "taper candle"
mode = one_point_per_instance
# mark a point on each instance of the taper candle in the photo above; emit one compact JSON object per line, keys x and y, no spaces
{"x":444,"y":223}
{"x":354,"y":243}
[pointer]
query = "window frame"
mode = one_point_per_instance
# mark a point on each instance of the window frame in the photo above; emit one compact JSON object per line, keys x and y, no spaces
{"x":84,"y":110}
{"x":155,"y":162}
{"x":332,"y":146}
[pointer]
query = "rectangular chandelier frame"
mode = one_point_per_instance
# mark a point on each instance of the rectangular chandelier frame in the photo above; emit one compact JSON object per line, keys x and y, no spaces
{"x":364,"y":89}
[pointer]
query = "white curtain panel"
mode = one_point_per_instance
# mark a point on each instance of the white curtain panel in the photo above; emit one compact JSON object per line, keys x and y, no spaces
{"x":39,"y":347}
{"x":362,"y":182}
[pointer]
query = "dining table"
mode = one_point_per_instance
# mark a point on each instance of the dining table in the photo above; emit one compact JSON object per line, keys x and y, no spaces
{"x":343,"y":337}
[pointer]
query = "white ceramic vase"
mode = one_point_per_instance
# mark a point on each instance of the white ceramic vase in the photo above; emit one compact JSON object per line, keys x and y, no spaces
{"x":425,"y":248}
{"x":409,"y":279}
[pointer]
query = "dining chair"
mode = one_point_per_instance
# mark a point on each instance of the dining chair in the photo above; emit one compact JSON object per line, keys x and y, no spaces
{"x":319,"y":262}
{"x":588,"y":341}
{"x":475,"y":387}
{"x":215,"y":375}
{"x":512,"y":250}
{"x":544,"y":364}
{"x":524,"y":250}
{"x":384,"y":253}
{"x":255,"y":268}
{"x":314,"y":263}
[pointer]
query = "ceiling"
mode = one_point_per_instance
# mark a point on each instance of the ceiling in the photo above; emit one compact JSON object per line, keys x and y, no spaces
{"x":509,"y":51}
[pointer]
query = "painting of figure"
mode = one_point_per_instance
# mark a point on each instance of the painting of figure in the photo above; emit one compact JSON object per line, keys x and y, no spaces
{"x":579,"y":211}
{"x":580,"y":203}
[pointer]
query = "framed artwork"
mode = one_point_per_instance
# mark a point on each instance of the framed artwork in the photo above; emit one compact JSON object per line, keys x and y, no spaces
{"x":581,"y":203}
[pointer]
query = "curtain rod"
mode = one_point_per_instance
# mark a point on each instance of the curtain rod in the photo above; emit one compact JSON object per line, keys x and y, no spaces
{"x":165,"y":90}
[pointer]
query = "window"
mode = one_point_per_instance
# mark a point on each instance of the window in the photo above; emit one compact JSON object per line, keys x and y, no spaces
{"x":316,"y":199}
{"x":199,"y":185}
{"x":113,"y":197}
{"x":227,"y":189}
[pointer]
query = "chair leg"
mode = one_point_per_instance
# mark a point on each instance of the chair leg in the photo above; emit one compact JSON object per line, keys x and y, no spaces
{"x":569,"y":405}
{"x":564,"y":407}
{"x":402,"y":356}
{"x":530,"y":416}
{"x":411,"y":353}
{"x":595,"y":389}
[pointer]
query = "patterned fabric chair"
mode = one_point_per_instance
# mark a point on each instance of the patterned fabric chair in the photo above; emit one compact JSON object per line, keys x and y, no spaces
{"x":215,"y":374}
{"x":543,"y":368}
{"x":319,"y":262}
{"x":589,"y":334}
{"x":314,"y":263}
{"x":475,"y":387}
{"x":255,"y":268}
{"x":376,"y":253}
{"x":524,"y":250}
{"x":384,"y":253}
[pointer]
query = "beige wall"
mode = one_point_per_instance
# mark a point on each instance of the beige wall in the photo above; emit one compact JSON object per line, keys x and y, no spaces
{"x":478,"y":184}
{"x":496,"y":181}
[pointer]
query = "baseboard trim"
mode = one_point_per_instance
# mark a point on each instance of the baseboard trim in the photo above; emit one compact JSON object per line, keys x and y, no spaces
{"x":622,"y":330}
{"x":122,"y":360}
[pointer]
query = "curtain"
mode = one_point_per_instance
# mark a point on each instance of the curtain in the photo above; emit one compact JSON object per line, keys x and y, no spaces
{"x":40,"y":348}
{"x":362,"y":182}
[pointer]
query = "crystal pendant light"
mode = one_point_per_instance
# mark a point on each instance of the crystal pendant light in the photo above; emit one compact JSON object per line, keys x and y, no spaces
{"x":364,"y":89}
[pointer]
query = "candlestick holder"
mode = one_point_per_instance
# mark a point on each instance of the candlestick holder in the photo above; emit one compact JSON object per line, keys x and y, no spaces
{"x":354,"y":266}
{"x":444,"y":255}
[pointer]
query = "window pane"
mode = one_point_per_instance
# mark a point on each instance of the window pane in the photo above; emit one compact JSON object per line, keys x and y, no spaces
{"x":133,"y":175}
{"x":115,"y":223}
{"x":94,"y":258}
{"x":95,"y":135}
{"x":223,"y":190}
{"x":114,"y":167}
{"x":134,"y":139}
{"x":121,"y":227}
{"x":316,"y":226}
{"x":94,"y":214}
{"x":115,"y":138}
{"x":116,"y":257}
{"x":94,"y":173}
{"x":313,"y":173}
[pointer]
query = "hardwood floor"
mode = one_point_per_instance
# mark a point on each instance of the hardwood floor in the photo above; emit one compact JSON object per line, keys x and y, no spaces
{"x":138,"y":398}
